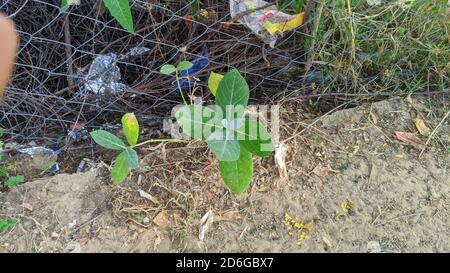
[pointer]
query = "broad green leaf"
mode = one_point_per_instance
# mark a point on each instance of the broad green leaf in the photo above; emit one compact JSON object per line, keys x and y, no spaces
{"x":120,"y":169}
{"x":121,"y":11}
{"x":238,"y":174}
{"x":224,"y":145}
{"x":108,"y":140}
{"x":132,"y":158}
{"x":197,"y":121}
{"x":1,"y":132}
{"x":214,"y":81}
{"x":232,"y":91}
{"x":168,"y":69}
{"x":7,"y":224}
{"x":130,"y":128}
{"x":184,"y":65}
{"x":13,"y":181}
{"x":255,"y":138}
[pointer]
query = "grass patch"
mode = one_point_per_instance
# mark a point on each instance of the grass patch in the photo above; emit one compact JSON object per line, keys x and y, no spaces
{"x":396,"y":46}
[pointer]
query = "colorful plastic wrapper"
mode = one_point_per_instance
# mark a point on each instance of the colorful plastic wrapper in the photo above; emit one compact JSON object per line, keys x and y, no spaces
{"x":267,"y":22}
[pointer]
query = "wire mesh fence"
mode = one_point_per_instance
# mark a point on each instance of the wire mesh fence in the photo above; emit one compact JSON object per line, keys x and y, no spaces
{"x":78,"y":67}
{"x":52,"y":87}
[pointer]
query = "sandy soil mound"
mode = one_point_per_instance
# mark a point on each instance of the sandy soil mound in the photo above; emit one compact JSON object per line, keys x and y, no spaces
{"x":353,"y":186}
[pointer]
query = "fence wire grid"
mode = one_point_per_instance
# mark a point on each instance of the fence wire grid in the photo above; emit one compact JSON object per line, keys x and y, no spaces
{"x":47,"y":93}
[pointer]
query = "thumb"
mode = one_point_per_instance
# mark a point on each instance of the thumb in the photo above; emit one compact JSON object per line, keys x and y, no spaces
{"x":8,"y":49}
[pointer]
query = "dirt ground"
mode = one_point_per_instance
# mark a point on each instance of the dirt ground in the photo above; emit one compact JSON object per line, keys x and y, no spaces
{"x":352,"y":186}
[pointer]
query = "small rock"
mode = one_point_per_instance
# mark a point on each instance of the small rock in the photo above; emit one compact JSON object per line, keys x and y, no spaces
{"x":327,"y":243}
{"x":146,"y":221}
{"x":72,"y":224}
{"x":27,"y":206}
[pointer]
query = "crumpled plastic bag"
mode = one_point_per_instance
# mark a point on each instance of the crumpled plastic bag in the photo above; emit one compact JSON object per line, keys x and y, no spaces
{"x":104,"y":75}
{"x":268,"y":23}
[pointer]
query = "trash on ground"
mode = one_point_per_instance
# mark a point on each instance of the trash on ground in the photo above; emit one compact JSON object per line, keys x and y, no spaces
{"x":104,"y":75}
{"x":280,"y":161}
{"x":133,"y":52}
{"x":42,"y":150}
{"x":85,"y":165}
{"x":77,"y":132}
{"x":267,"y":22}
{"x":187,"y":77}
{"x":205,"y":223}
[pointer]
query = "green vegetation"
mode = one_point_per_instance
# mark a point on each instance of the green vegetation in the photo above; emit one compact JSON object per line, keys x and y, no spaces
{"x":396,"y":46}
{"x":119,"y":9}
{"x":295,"y":5}
{"x":230,"y":137}
{"x":5,"y":225}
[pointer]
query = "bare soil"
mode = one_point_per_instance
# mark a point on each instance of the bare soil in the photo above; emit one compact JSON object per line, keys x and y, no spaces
{"x":352,"y":186}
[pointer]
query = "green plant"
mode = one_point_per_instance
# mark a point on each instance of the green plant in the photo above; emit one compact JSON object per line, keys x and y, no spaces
{"x":48,"y":166}
{"x":128,"y":159}
{"x":7,"y":224}
{"x":231,"y":137}
{"x":14,"y":181}
{"x":196,"y":5}
{"x":295,"y":5}
{"x":119,"y":9}
{"x":169,"y":69}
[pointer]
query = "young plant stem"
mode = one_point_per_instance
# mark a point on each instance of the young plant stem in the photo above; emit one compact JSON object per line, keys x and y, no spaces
{"x":179,"y":87}
{"x":159,"y":140}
